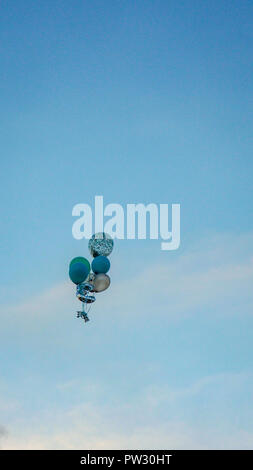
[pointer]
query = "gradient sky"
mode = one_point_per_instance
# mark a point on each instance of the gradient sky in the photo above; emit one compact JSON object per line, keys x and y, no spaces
{"x":138,"y":101}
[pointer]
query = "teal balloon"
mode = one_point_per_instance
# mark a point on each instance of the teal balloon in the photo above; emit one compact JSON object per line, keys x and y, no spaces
{"x":80,"y":259}
{"x":78,"y":272}
{"x":100,"y":264}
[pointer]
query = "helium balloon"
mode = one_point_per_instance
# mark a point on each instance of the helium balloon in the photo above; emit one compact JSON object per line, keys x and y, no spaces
{"x":100,"y":244}
{"x":101,"y":282}
{"x":90,"y":278}
{"x":100,"y":264}
{"x":80,"y":259}
{"x":78,"y":272}
{"x":88,"y":282}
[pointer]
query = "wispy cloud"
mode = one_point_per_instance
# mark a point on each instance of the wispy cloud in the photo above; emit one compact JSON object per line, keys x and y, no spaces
{"x":3,"y":434}
{"x":136,"y":424}
{"x":206,"y":276}
{"x":198,"y":414}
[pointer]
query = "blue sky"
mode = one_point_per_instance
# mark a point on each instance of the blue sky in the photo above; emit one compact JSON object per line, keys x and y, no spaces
{"x":139,"y":102}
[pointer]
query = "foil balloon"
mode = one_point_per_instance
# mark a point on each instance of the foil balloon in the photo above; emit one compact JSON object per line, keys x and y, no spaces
{"x":100,"y":244}
{"x":89,"y":283}
{"x":101,"y":282}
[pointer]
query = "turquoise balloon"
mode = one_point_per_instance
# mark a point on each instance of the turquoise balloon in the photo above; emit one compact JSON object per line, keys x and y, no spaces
{"x":78,"y":272}
{"x":100,"y":264}
{"x":80,"y":259}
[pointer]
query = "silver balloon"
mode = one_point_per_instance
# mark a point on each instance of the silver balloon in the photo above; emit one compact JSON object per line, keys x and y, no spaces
{"x":101,"y":282}
{"x":84,"y":292}
{"x":100,"y":244}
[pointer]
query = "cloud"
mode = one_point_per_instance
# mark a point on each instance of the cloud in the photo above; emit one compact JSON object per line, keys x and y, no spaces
{"x":209,"y":275}
{"x":3,"y":431}
{"x":43,"y":304}
{"x":172,"y":436}
{"x":212,"y":412}
{"x":3,"y":434}
{"x":136,"y":424}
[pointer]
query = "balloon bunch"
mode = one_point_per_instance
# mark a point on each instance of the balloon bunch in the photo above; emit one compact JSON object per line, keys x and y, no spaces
{"x":91,"y":279}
